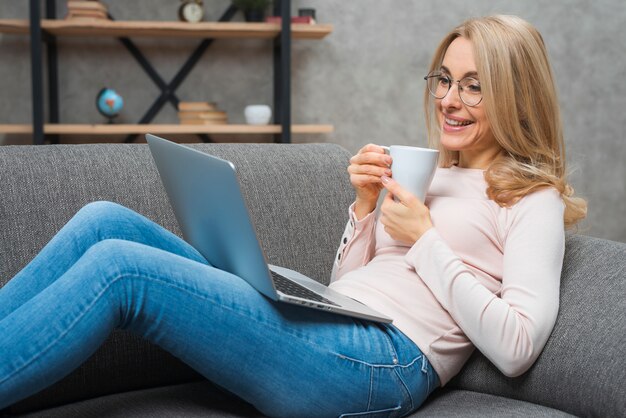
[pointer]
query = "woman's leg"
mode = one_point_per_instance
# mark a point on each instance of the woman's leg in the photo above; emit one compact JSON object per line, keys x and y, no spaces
{"x":286,"y":360}
{"x":95,"y":222}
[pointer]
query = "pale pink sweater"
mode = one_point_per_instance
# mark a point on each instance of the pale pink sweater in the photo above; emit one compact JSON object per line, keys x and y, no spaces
{"x":484,"y":276}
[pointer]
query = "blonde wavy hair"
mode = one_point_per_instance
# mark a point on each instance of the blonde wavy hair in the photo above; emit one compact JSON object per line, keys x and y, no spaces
{"x":520,"y":101}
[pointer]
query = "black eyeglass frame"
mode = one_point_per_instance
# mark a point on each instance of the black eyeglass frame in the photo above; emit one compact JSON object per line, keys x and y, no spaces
{"x":434,"y":74}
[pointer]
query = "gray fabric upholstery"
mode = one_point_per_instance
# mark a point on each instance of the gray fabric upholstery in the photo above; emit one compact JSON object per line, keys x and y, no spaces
{"x":298,"y":197}
{"x":199,"y":399}
{"x":582,"y":368}
{"x":203,"y":400}
{"x":464,"y":404}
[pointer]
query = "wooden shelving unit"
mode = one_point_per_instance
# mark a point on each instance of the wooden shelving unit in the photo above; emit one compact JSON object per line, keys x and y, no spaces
{"x":140,"y":28}
{"x":160,"y":129}
{"x":52,"y":28}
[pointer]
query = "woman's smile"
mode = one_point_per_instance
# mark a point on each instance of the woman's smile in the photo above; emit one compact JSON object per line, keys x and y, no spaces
{"x":455,"y":124}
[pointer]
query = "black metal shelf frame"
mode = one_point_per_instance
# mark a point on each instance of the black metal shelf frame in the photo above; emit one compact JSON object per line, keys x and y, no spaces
{"x":281,"y":67}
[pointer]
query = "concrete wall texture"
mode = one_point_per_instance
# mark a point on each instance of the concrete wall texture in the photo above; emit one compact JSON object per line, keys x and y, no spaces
{"x":365,"y":78}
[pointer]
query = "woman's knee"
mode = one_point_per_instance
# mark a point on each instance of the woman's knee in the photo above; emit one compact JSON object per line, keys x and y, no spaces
{"x":104,"y":218}
{"x":102,"y":209}
{"x":112,"y":251}
{"x":112,"y":260}
{"x":110,"y":270}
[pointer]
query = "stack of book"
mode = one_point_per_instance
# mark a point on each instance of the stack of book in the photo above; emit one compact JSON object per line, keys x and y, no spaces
{"x":200,"y":113}
{"x":86,"y":9}
{"x":308,"y":20}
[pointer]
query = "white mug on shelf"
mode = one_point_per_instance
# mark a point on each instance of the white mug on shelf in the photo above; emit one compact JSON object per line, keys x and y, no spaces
{"x":258,"y":114}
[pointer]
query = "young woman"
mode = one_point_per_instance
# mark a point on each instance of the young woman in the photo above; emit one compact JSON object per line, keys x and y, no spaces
{"x":476,"y":265}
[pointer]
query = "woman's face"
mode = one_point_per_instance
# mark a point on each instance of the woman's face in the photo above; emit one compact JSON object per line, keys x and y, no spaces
{"x":464,"y":128}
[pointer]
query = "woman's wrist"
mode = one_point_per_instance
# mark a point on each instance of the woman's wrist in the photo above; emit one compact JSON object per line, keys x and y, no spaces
{"x":362,"y":208}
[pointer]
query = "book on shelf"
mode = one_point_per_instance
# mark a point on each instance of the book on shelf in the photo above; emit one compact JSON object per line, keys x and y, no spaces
{"x":203,"y":122}
{"x":86,"y":9}
{"x":204,"y":114}
{"x":201,"y":113}
{"x":97,"y":16}
{"x":196,"y":106}
{"x":294,"y":19}
{"x":86,"y":5}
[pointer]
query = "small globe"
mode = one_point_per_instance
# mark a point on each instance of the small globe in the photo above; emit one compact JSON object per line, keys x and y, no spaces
{"x":109,"y":103}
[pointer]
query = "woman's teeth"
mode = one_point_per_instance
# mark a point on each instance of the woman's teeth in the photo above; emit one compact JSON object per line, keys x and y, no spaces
{"x":458,"y":123}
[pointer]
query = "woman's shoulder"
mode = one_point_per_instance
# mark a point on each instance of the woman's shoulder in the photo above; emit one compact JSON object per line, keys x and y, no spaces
{"x":541,"y":198}
{"x":543,"y":206}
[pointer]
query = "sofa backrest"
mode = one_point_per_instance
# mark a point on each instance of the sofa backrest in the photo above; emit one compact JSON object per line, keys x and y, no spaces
{"x":582,"y":369}
{"x":297,"y":195}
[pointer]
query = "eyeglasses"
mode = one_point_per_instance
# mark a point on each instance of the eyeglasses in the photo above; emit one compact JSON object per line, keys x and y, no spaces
{"x":439,"y":85}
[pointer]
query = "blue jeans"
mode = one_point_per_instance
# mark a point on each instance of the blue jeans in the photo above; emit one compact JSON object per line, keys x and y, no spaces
{"x":110,"y":267}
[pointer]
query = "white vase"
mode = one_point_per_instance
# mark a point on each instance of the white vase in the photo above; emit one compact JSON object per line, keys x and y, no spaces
{"x":258,"y":114}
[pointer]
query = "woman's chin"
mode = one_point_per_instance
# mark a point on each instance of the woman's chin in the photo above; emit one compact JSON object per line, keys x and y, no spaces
{"x":452,"y":143}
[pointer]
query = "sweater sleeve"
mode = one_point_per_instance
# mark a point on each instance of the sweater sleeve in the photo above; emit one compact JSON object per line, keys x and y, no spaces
{"x":510,"y":328}
{"x":357,"y":244}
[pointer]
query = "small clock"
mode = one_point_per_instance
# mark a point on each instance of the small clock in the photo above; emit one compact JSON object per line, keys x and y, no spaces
{"x":191,"y":11}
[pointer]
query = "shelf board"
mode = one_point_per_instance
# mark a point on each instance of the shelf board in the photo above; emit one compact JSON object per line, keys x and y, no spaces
{"x":118,"y":28}
{"x":125,"y":129}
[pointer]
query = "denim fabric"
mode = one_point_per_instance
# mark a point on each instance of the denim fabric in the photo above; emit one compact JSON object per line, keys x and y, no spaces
{"x":111,"y":267}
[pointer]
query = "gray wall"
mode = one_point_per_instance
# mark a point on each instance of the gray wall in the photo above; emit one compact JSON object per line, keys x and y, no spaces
{"x":365,"y":78}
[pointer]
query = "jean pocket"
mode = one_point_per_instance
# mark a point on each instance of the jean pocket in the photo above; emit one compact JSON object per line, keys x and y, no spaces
{"x":381,"y":413}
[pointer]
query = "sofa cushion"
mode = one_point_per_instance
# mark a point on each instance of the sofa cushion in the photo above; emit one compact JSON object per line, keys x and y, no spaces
{"x":581,"y":369}
{"x":200,"y":399}
{"x":465,"y":404}
{"x":297,"y":195}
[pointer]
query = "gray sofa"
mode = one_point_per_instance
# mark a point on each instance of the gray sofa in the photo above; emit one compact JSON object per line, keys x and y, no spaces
{"x":298,"y":196}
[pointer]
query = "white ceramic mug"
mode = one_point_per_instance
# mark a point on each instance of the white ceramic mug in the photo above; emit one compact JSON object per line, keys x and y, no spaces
{"x":258,"y":114}
{"x":413,"y":168}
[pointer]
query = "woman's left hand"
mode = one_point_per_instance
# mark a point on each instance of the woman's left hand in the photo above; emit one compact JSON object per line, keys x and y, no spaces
{"x":405,"y":218}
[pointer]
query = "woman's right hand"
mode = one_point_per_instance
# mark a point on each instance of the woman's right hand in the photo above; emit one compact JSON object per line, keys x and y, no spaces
{"x":366,"y":168}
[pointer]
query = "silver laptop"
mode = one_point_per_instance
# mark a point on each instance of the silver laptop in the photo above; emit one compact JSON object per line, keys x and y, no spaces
{"x":207,"y":201}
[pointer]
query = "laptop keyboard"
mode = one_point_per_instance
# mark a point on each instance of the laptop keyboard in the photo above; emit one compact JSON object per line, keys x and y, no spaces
{"x":291,"y":288}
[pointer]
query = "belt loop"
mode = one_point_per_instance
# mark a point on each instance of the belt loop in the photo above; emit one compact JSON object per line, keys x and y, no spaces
{"x":425,"y":371}
{"x":424,"y":364}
